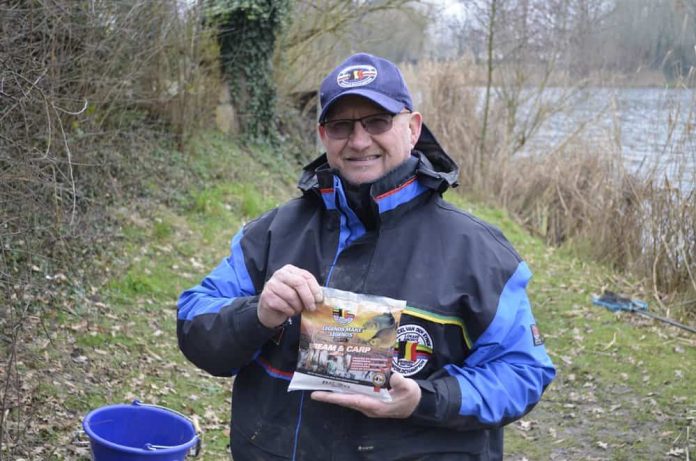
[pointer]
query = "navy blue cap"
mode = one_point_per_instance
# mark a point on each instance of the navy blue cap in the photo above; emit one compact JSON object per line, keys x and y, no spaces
{"x":368,"y":76}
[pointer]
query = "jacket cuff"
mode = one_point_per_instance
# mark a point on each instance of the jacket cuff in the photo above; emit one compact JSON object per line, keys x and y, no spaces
{"x":426,"y":408}
{"x":440,"y":400}
{"x":250,"y":332}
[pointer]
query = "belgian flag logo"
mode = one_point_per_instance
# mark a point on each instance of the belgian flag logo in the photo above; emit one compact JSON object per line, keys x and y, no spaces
{"x":411,"y":351}
{"x":342,"y":315}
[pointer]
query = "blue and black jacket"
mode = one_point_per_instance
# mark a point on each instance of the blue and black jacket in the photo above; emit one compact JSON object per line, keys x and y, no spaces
{"x":468,"y":336}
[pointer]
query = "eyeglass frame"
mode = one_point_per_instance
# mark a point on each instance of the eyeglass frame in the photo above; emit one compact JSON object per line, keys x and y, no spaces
{"x":362,"y":123}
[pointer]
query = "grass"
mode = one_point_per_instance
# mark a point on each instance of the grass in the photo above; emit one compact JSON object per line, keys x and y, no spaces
{"x":625,"y":384}
{"x":624,"y":388}
{"x":167,"y":252}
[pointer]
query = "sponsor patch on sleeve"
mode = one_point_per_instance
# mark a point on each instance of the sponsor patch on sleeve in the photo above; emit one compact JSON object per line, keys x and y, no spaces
{"x":536,"y":336}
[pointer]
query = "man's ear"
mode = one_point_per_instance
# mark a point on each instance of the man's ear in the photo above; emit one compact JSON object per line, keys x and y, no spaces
{"x":321,"y":131}
{"x":415,"y":124}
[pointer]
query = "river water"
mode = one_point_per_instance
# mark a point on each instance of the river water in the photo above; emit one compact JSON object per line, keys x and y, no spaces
{"x":654,"y":129}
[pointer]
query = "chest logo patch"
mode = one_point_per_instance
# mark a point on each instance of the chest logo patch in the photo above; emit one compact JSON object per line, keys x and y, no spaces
{"x":412,"y":350}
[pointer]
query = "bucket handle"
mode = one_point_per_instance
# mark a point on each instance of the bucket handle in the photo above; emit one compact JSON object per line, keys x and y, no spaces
{"x":196,"y":450}
{"x":151,"y":447}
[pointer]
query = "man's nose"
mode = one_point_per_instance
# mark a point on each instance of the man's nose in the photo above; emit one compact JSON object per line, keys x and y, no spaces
{"x":359,"y":139}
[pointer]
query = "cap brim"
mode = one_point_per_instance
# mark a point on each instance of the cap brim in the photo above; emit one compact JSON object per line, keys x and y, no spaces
{"x":390,"y":105}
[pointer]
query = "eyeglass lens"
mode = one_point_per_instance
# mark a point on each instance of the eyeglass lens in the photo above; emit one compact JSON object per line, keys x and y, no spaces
{"x":373,"y":124}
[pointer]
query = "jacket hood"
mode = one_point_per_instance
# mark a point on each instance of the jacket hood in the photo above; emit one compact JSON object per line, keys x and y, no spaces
{"x":436,"y":170}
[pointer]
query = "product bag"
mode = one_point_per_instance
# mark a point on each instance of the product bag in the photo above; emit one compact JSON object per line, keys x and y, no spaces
{"x":347,"y":344}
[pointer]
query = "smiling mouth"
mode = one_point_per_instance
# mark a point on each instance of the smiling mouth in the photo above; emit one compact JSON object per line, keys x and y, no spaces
{"x":367,"y":158}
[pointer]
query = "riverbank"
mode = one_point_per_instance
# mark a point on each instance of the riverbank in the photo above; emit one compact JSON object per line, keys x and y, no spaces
{"x":539,"y":76}
{"x":624,"y":389}
{"x":580,"y":187}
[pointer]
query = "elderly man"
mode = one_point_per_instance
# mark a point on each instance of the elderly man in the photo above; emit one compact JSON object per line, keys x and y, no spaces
{"x":371,"y":220}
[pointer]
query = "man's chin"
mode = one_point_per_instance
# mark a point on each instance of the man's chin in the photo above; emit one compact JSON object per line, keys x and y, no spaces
{"x":358,"y":178}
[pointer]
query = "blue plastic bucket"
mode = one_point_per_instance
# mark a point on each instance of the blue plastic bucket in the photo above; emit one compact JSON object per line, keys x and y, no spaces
{"x":139,"y":432}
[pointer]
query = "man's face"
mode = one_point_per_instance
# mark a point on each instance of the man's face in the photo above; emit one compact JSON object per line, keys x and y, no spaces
{"x":362,"y":157}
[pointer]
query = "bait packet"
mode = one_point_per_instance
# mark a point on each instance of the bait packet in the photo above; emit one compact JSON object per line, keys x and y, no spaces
{"x":347,"y":344}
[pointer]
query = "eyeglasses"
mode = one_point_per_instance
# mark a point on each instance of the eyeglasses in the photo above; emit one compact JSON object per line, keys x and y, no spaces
{"x":373,"y":124}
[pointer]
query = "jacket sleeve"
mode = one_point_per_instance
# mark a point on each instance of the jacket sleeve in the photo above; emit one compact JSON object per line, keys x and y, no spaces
{"x":217,"y":324}
{"x":504,"y":375}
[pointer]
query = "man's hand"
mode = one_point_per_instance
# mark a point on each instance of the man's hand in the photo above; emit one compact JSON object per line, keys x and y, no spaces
{"x":405,"y":394}
{"x":288,"y":291}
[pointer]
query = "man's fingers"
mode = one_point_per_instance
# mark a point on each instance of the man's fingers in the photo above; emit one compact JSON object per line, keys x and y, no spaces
{"x":314,"y":287}
{"x":283,"y":297}
{"x":397,"y":380}
{"x":309,"y":280}
{"x":287,"y":293}
{"x":306,"y":296}
{"x":405,"y":395}
{"x":278,"y":303}
{"x":305,"y":285}
{"x":369,"y":406}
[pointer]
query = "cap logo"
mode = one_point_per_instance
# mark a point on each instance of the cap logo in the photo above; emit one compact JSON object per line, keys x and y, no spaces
{"x":353,"y":76}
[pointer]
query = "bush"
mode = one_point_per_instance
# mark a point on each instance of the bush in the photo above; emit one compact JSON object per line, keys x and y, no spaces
{"x":87,"y":89}
{"x":579,"y":195}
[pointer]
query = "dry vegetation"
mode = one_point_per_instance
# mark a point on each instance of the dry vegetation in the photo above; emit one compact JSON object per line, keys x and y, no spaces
{"x":86,"y":90}
{"x":580,"y":193}
{"x":83,"y":88}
